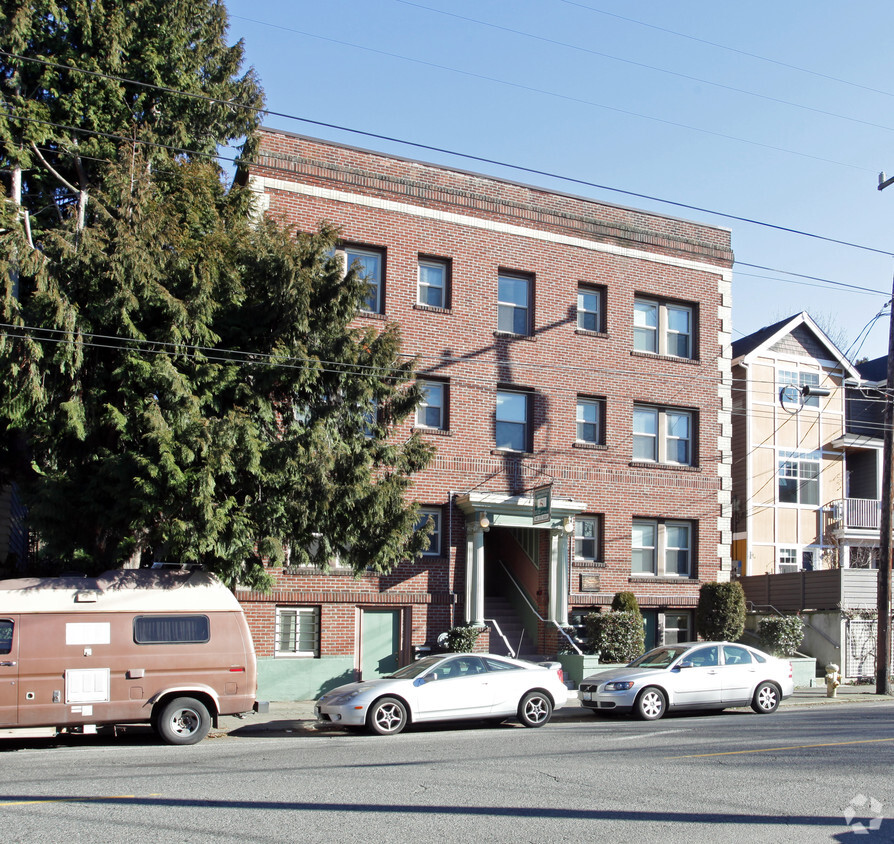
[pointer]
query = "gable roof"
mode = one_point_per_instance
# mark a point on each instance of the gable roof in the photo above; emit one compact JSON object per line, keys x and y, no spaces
{"x":764,"y":338}
{"x":874,"y":370}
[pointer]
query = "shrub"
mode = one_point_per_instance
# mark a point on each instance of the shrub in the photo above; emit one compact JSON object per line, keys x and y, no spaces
{"x":781,"y":635}
{"x":625,"y":602}
{"x":461,"y":639}
{"x":720,"y":614}
{"x":618,"y":636}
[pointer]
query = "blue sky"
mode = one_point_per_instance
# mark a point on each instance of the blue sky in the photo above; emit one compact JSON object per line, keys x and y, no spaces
{"x":780,"y":113}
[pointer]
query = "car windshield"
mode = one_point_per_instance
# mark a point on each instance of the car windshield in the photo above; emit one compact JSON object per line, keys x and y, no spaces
{"x":414,"y":669}
{"x":658,"y":658}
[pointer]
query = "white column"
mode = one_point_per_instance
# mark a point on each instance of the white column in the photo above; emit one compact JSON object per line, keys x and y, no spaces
{"x":562,"y":579}
{"x":474,"y":611}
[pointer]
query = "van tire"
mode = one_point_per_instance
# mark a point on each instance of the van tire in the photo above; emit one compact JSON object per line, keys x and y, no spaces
{"x":183,"y":720}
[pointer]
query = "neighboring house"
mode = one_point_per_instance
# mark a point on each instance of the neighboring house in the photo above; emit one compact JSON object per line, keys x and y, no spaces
{"x":789,"y":448}
{"x":561,"y":341}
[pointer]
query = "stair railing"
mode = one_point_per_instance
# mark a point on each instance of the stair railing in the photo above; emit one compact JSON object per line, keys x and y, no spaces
{"x":496,"y":625}
{"x":534,"y":609}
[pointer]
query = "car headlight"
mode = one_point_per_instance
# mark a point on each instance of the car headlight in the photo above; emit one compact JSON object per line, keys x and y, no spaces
{"x":619,"y":686}
{"x":348,"y":696}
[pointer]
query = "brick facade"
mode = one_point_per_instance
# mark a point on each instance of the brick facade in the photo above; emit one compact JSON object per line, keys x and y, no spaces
{"x":482,"y":226}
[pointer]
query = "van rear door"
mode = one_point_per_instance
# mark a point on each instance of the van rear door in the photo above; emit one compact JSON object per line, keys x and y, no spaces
{"x":9,"y":671}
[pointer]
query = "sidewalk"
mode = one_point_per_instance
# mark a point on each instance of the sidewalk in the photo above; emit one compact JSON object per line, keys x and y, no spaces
{"x":297,"y":716}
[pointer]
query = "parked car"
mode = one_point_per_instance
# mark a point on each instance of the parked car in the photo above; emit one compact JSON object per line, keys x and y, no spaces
{"x":691,"y":675}
{"x":449,"y":687}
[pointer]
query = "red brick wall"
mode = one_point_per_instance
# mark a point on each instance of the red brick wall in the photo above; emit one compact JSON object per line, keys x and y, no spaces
{"x":556,"y":362}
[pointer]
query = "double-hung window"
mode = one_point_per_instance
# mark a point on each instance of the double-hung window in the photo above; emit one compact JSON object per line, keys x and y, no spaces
{"x":370,"y":263}
{"x":663,"y":435}
{"x":590,"y":421}
{"x":661,"y":547}
{"x":590,"y":308}
{"x":297,"y":631}
{"x":432,"y":515}
{"x":587,"y":539}
{"x":432,"y":411}
{"x":790,"y":382}
{"x":513,"y":420}
{"x":514,"y":303}
{"x":433,"y":279}
{"x":664,"y":328}
{"x":799,"y":477}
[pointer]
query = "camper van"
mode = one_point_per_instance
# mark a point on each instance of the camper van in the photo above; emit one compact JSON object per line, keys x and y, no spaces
{"x":167,"y":648}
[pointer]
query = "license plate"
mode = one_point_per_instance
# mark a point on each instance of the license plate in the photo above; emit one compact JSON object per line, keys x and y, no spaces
{"x":588,"y":696}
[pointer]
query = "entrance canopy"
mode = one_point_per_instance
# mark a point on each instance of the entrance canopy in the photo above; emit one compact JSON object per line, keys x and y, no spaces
{"x":516,"y":510}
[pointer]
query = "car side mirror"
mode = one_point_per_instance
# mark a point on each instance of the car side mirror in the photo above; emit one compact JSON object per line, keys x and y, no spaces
{"x":685,"y":664}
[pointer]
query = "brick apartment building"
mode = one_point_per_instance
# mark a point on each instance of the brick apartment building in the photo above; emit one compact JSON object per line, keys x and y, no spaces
{"x":562,"y":341}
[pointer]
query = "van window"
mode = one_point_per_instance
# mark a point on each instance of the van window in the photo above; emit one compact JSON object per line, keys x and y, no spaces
{"x":167,"y":629}
{"x":5,"y":635}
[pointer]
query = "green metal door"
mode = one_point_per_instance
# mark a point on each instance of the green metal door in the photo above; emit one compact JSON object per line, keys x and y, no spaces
{"x":379,"y":642}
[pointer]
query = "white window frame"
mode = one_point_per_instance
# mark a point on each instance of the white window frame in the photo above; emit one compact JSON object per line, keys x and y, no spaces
{"x":790,"y":379}
{"x":796,"y":465}
{"x":435,"y":514}
{"x":584,"y":314}
{"x":684,"y":634}
{"x":582,"y":539}
{"x":373,"y":303}
{"x":422,"y":286}
{"x":788,"y":560}
{"x":524,"y":425}
{"x":660,"y":548}
{"x":663,"y":439}
{"x":652,"y":331}
{"x":429,"y":388}
{"x":310,"y":649}
{"x":584,"y":403}
{"x":506,"y":306}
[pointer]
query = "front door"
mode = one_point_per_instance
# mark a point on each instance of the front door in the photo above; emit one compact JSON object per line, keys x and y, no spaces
{"x":9,"y":671}
{"x":379,"y":643}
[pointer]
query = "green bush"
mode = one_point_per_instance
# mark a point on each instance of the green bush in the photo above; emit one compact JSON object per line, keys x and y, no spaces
{"x":720,"y":614}
{"x":625,"y":602}
{"x":781,"y":635}
{"x":461,"y":639}
{"x":618,"y":636}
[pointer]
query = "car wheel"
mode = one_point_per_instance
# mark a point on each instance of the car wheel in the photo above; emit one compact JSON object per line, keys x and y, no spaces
{"x":535,"y":709}
{"x":184,"y":720}
{"x":766,"y":699}
{"x":387,"y":717}
{"x":651,"y":704}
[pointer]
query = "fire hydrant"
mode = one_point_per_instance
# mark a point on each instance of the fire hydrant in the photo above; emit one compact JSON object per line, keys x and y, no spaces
{"x":833,"y":679}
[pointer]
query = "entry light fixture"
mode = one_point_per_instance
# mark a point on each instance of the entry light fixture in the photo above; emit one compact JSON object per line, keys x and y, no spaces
{"x":484,"y":521}
{"x":567,"y":525}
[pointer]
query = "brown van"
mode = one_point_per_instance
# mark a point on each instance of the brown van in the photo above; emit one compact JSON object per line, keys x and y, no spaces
{"x":168,"y":648}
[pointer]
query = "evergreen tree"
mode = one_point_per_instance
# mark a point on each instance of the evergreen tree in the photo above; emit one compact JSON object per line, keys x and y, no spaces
{"x":186,"y":380}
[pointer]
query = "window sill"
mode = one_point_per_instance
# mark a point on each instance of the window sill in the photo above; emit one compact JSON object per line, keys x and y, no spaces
{"x":431,"y":432}
{"x":661,"y":578}
{"x":509,"y":335}
{"x":589,"y":564}
{"x":508,"y":452}
{"x":371,"y":315}
{"x":295,"y":656}
{"x":585,"y":332}
{"x":668,"y":467}
{"x":432,"y":309}
{"x":589,"y":446}
{"x":636,"y":353}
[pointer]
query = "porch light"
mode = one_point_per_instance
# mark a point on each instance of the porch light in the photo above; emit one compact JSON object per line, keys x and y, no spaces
{"x":484,"y":521}
{"x":567,"y":525}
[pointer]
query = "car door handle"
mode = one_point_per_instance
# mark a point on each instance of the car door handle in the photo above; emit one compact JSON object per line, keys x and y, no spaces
{"x":7,"y":664}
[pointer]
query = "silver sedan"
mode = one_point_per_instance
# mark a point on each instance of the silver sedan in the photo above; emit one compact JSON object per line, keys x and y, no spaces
{"x":449,"y":687}
{"x":692,"y":675}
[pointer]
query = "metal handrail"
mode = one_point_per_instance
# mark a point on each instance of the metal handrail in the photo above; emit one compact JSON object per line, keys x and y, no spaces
{"x":534,"y":609}
{"x":501,"y":635}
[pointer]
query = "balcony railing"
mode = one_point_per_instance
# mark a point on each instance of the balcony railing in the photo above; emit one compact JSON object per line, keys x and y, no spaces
{"x":856,"y":513}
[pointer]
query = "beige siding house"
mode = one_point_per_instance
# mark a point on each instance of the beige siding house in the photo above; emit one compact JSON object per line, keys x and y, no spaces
{"x":789,"y":467}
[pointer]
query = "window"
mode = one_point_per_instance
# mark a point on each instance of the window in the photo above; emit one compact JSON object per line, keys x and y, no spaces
{"x":660,"y":547}
{"x":662,"y":435}
{"x":297,"y":631}
{"x":512,"y":429}
{"x":6,"y":628}
{"x":590,"y":421}
{"x":433,"y":515}
{"x":663,"y":328}
{"x":171,"y":629}
{"x":371,"y":266}
{"x":514,"y":304}
{"x":590,"y":308}
{"x":433,"y":278}
{"x":788,"y":560}
{"x":587,"y":539}
{"x":736,"y":655}
{"x":676,"y":627}
{"x":432,"y":411}
{"x":790,"y":382}
{"x":799,"y":477}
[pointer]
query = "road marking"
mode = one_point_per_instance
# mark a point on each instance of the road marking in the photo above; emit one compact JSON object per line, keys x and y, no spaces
{"x":773,"y":749}
{"x":647,"y":735}
{"x":73,"y":799}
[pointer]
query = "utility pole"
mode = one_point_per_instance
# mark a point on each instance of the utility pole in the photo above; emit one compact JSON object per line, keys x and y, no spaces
{"x":883,"y":647}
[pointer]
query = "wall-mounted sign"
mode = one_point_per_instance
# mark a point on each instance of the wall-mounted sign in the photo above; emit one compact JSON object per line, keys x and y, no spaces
{"x":543,"y":499}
